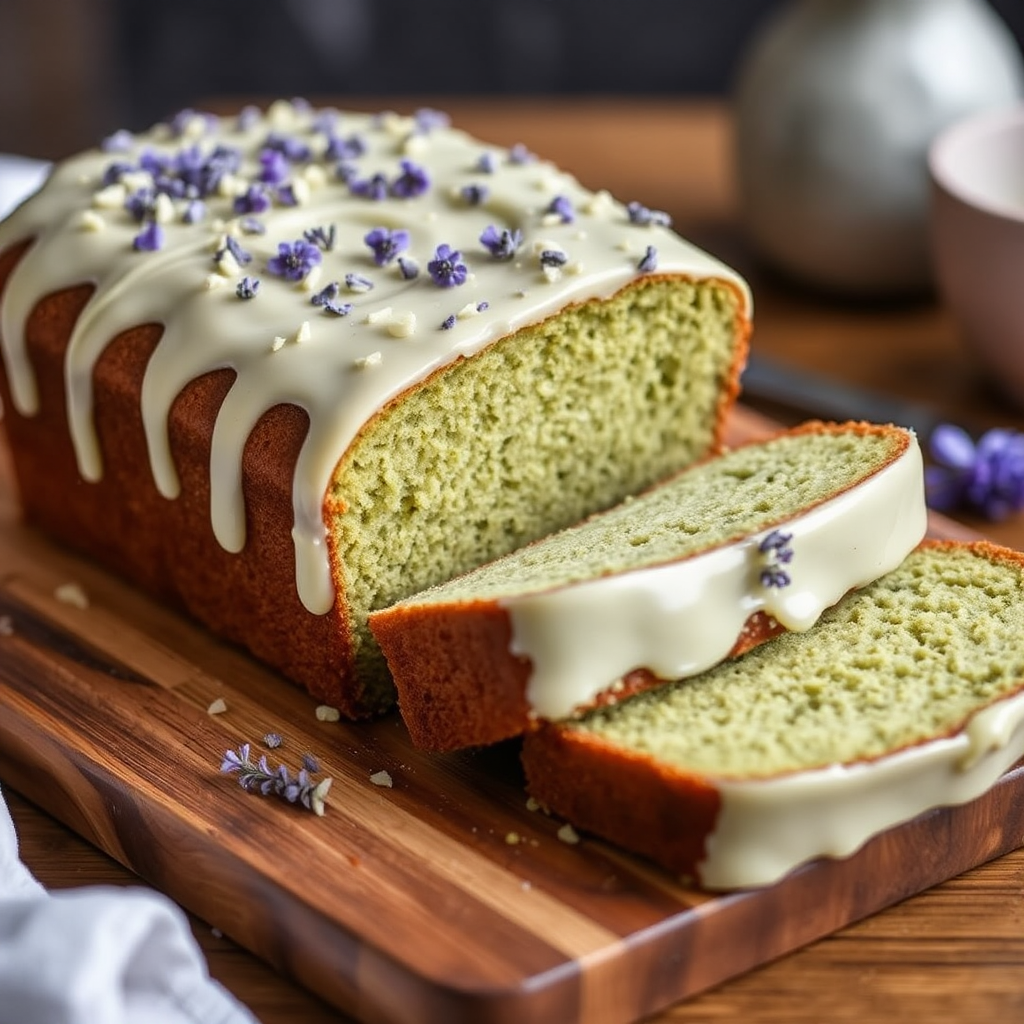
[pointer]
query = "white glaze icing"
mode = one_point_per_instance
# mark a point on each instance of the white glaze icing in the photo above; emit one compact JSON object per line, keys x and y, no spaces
{"x":339,"y":369}
{"x":766,"y":828}
{"x":681,"y":618}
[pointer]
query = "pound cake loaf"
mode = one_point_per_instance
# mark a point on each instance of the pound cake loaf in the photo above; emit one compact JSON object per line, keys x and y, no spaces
{"x":907,"y":695}
{"x":288,"y":367}
{"x":706,"y":565}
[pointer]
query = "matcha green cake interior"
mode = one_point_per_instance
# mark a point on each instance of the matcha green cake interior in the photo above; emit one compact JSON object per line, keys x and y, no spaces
{"x":746,"y":490}
{"x":907,"y":659}
{"x":566,"y":417}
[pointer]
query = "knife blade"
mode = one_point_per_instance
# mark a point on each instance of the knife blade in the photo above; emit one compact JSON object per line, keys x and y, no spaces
{"x":824,"y":397}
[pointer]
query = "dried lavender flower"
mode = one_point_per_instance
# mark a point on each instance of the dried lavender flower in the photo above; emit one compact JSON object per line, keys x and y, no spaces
{"x":252,"y":226}
{"x":150,"y":238}
{"x":291,"y":148}
{"x":247,"y":287}
{"x":649,"y":261}
{"x":120,"y":141}
{"x":412,"y":182}
{"x":519,"y":154}
{"x":642,"y":215}
{"x":776,"y":550}
{"x":552,"y":258}
{"x":327,"y":299}
{"x":427,"y":119}
{"x":294,"y":260}
{"x":561,"y":207}
{"x":358,"y":283}
{"x":247,"y":117}
{"x":286,"y":195}
{"x":260,"y":778}
{"x":502,"y":245}
{"x":253,"y":200}
{"x":386,"y":244}
{"x":324,"y":237}
{"x":232,"y":246}
{"x":274,"y":167}
{"x":474,"y":194}
{"x":344,"y":149}
{"x":986,"y":477}
{"x":194,"y":212}
{"x":447,"y":268}
{"x":375,"y":188}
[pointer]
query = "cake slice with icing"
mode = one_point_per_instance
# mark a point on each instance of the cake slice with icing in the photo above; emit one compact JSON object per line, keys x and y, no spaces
{"x":907,"y":695}
{"x":664,"y":585}
{"x":297,"y":364}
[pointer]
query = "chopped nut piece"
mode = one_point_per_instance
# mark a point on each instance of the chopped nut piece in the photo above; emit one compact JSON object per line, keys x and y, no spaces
{"x":567,"y":834}
{"x":73,"y":594}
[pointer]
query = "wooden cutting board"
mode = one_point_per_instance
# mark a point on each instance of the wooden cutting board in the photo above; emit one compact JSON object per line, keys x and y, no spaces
{"x":442,"y":898}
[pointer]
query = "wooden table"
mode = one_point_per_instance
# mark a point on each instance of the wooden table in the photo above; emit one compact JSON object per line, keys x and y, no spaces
{"x":954,"y":954}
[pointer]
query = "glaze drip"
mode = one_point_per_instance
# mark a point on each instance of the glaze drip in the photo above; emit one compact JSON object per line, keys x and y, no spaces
{"x":281,"y":347}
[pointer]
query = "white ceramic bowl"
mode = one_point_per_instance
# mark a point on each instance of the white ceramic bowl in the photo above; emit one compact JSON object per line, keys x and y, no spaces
{"x":977,"y":232}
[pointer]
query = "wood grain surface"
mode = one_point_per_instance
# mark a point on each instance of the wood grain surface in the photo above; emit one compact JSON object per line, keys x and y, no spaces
{"x":442,"y":898}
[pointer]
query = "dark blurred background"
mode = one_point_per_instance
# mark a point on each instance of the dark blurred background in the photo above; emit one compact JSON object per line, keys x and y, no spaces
{"x":73,"y":70}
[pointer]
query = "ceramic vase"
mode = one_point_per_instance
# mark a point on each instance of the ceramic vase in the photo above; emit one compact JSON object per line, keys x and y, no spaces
{"x":836,"y":105}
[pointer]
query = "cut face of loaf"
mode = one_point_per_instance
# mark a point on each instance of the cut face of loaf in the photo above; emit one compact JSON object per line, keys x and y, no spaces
{"x":707,"y":564}
{"x":905,"y":696}
{"x":287,"y":368}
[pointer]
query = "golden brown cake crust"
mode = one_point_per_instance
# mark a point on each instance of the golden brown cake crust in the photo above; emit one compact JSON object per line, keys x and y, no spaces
{"x":659,"y":812}
{"x":168,"y":547}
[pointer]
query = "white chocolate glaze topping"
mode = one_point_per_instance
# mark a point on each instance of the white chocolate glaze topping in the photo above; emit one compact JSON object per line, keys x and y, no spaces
{"x":766,"y":828}
{"x":330,"y":260}
{"x":681,"y":618}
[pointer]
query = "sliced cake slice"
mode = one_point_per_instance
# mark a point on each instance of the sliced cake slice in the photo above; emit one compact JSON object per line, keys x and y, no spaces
{"x":705,"y":565}
{"x":907,"y":695}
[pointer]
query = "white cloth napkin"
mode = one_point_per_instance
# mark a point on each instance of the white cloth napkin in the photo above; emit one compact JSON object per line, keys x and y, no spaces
{"x":99,"y":955}
{"x":19,"y":177}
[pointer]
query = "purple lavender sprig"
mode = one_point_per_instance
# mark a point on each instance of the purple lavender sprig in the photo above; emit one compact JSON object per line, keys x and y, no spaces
{"x":323,"y":236}
{"x":259,"y":777}
{"x":986,"y":477}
